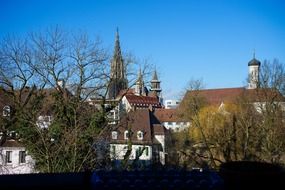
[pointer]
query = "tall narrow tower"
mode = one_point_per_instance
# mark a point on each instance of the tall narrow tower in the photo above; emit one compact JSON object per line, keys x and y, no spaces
{"x":118,"y":79}
{"x":253,"y":73}
{"x":155,"y":84}
{"x":139,"y":87}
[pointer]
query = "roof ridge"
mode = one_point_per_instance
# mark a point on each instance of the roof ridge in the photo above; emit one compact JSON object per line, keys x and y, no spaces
{"x":212,"y":89}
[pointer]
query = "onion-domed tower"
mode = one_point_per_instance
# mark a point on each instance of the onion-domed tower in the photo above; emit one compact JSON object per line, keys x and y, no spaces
{"x":253,"y":73}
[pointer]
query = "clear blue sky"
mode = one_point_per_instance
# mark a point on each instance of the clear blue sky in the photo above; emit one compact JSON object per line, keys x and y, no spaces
{"x":185,"y":39}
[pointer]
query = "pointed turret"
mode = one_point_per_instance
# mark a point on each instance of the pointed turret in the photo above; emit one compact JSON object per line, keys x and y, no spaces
{"x":118,"y":79}
{"x":140,"y":89}
{"x":155,"y":84}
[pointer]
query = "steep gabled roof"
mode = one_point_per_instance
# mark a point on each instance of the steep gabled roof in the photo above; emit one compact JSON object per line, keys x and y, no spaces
{"x":138,"y":120}
{"x":12,"y":143}
{"x":230,"y":95}
{"x":125,"y":92}
{"x":216,"y":96}
{"x":143,"y":101}
{"x":167,"y":115}
{"x":6,"y":97}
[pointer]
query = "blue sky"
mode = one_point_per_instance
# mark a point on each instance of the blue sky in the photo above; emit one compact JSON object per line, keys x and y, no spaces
{"x":208,"y":39}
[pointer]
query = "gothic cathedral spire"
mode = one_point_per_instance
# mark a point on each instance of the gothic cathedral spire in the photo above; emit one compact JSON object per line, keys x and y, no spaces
{"x":118,"y":79}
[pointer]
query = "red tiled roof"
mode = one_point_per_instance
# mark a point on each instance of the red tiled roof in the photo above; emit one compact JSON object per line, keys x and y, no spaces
{"x":230,"y":95}
{"x":139,"y":120}
{"x":143,"y":101}
{"x":217,"y":96}
{"x":263,"y":95}
{"x":6,"y":97}
{"x":11,"y":143}
{"x":167,"y":115}
{"x":125,"y":92}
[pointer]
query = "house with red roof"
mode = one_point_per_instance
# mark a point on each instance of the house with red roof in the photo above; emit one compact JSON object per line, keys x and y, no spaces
{"x":171,"y":119}
{"x":122,"y":98}
{"x":139,"y":136}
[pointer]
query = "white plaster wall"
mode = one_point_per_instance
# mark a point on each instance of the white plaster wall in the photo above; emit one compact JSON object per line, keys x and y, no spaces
{"x":253,"y":72}
{"x":161,"y":140}
{"x":125,"y":103}
{"x":176,"y":126}
{"x":15,"y":167}
{"x":170,"y":104}
{"x":259,"y":106}
{"x":121,"y":150}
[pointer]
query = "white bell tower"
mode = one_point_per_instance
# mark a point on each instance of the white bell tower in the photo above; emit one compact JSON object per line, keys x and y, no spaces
{"x":253,"y":73}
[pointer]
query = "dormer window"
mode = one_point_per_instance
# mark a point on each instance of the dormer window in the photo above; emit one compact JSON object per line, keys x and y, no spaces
{"x":140,"y":135}
{"x":126,"y":135}
{"x":6,"y":111}
{"x":114,"y":135}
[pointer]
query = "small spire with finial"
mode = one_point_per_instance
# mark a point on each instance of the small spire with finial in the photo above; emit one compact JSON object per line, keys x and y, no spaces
{"x":117,"y":33}
{"x":254,"y":53}
{"x":154,"y":77}
{"x":140,"y":75}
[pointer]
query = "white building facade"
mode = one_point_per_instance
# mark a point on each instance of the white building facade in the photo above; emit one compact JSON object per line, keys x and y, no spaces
{"x":171,"y":104}
{"x":141,"y":135}
{"x":14,"y":159}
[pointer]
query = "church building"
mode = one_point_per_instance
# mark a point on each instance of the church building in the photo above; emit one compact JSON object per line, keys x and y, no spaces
{"x":127,"y":98}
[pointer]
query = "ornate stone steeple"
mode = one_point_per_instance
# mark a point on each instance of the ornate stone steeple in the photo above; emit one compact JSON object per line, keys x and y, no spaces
{"x":155,"y":84}
{"x":118,"y":79}
{"x":139,"y":87}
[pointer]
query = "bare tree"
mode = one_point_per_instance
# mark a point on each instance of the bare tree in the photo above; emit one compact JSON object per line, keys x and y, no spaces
{"x":49,"y":62}
{"x":53,"y":73}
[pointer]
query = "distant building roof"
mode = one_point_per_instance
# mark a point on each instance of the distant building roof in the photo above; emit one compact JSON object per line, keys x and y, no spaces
{"x":125,"y":92}
{"x":167,"y":115}
{"x":254,"y":62}
{"x":6,"y":97}
{"x":230,"y":95}
{"x":143,"y":101}
{"x":12,"y":143}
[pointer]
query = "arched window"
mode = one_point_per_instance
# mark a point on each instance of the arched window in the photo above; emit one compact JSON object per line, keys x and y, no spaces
{"x":140,"y":135}
{"x":114,"y":135}
{"x":6,"y":111}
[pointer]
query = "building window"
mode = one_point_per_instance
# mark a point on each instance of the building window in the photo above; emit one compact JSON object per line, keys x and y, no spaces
{"x":139,"y":152}
{"x":114,"y":150}
{"x":8,"y":157}
{"x":44,"y":121}
{"x":114,"y":135}
{"x":6,"y":111}
{"x":146,"y":151}
{"x":126,"y":135}
{"x":140,"y":135}
{"x":169,"y":123}
{"x":22,"y":157}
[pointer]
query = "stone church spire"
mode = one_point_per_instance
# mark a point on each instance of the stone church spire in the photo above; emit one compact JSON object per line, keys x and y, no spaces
{"x":139,"y":87}
{"x":155,"y":84}
{"x":118,"y":79}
